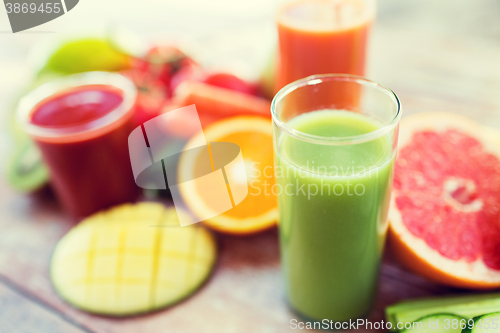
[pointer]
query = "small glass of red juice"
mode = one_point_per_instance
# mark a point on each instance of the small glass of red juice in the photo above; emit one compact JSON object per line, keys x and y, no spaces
{"x":81,"y":124}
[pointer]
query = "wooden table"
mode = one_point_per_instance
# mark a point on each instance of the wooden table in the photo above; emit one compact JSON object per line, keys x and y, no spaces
{"x":436,"y":55}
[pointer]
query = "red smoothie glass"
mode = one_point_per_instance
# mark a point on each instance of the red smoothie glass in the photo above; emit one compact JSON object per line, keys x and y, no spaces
{"x":81,"y":124}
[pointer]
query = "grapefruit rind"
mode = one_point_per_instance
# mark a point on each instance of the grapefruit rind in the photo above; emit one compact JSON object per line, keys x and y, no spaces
{"x":412,"y":251}
{"x":222,"y":223}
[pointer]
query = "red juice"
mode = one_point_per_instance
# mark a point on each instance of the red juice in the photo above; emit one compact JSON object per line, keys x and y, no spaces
{"x":82,"y":132}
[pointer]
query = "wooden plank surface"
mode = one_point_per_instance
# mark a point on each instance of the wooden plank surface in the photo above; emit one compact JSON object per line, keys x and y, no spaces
{"x":436,"y":55}
{"x":21,"y":314}
{"x":244,"y":295}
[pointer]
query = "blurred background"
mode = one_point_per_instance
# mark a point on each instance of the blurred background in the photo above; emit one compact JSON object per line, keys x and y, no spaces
{"x":436,"y":55}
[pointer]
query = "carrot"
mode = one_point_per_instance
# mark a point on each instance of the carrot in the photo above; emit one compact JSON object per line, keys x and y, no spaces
{"x":220,"y":102}
{"x":184,"y":126}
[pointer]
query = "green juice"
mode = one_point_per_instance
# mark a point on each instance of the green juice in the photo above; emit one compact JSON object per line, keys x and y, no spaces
{"x":333,"y":203}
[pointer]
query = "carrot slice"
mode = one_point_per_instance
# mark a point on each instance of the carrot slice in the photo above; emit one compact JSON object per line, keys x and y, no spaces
{"x":219,"y":101}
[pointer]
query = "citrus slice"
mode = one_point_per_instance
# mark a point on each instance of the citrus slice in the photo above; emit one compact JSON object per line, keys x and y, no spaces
{"x":258,"y":211}
{"x":445,"y":209}
{"x":131,"y":259}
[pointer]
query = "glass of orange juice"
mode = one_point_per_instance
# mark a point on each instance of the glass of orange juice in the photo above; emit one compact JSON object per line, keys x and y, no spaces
{"x":322,"y":37}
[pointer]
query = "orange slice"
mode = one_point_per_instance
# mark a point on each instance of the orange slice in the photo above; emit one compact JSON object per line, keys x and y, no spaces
{"x":258,"y":211}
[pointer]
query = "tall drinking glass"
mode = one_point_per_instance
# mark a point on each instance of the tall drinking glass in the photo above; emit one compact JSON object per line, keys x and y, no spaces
{"x":322,"y":36}
{"x":335,"y":139}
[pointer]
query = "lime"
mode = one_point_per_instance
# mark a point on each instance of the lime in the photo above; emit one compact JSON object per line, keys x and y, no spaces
{"x":87,"y":54}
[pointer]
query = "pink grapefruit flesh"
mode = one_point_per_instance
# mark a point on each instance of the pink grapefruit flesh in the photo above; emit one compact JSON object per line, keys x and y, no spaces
{"x":445,"y":212}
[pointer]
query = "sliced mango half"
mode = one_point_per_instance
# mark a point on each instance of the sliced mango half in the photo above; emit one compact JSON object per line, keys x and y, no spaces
{"x":131,"y":259}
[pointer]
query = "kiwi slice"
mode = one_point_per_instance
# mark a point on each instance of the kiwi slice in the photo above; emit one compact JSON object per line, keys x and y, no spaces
{"x":132,"y":259}
{"x":26,"y":171}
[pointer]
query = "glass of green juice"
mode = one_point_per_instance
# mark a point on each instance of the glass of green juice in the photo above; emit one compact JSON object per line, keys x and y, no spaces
{"x":335,"y":140}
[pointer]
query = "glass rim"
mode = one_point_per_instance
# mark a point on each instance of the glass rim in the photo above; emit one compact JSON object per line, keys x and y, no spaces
{"x":347,"y":140}
{"x":48,"y":89}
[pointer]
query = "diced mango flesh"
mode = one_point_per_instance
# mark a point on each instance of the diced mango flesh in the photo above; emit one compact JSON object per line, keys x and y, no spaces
{"x":131,"y":259}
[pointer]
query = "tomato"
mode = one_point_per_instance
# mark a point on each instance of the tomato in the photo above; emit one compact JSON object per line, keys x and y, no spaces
{"x":190,"y":71}
{"x":151,"y":96}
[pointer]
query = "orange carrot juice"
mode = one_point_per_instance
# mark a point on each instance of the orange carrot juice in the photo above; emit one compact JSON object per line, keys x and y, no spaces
{"x":323,"y":36}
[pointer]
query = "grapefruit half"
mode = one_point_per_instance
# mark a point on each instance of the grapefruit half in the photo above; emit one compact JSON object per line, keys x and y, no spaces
{"x":445,"y":208}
